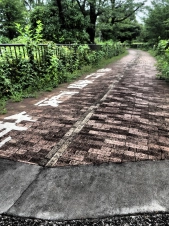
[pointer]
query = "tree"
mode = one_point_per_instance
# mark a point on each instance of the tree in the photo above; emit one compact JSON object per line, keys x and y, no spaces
{"x":62,"y":23}
{"x":111,"y":12}
{"x":124,"y":31}
{"x":122,"y":10}
{"x":90,"y":10}
{"x":157,"y":21}
{"x":143,"y":37}
{"x":11,"y":12}
{"x":30,"y":4}
{"x":73,"y":19}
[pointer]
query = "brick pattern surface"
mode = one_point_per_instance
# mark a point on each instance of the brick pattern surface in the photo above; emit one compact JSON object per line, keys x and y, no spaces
{"x":121,"y":116}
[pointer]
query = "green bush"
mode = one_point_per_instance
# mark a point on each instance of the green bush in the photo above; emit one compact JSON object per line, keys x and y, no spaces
{"x":162,"y":54}
{"x":4,"y":39}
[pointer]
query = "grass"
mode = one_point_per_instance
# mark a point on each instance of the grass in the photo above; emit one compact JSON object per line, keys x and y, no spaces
{"x":17,"y":97}
{"x":152,"y":52}
{"x":3,"y":107}
{"x":91,"y":69}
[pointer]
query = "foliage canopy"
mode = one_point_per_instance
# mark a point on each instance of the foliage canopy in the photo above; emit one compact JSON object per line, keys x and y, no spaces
{"x":70,"y":21}
{"x":11,"y":12}
{"x":157,"y":21}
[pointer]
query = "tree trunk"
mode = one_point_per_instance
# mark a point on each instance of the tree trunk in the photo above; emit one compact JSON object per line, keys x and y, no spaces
{"x":91,"y":32}
{"x":11,"y":34}
{"x":92,"y":28}
{"x":61,"y":14}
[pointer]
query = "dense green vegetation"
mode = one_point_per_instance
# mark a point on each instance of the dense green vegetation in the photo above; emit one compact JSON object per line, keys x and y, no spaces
{"x":20,"y":76}
{"x":72,"y":21}
{"x":162,"y":54}
{"x":156,"y":24}
{"x":155,"y":32}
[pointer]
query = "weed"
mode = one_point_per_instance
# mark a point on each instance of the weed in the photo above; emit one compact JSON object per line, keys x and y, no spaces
{"x":3,"y":109}
{"x":16,"y":97}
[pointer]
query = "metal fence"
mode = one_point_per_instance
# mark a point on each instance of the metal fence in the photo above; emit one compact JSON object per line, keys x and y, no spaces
{"x":38,"y":53}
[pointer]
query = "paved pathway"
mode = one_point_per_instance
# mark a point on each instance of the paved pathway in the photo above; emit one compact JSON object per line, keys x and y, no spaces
{"x":118,"y":114}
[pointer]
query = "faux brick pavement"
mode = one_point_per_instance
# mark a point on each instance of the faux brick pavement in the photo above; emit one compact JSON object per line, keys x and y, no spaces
{"x":132,"y":123}
{"x":121,"y":116}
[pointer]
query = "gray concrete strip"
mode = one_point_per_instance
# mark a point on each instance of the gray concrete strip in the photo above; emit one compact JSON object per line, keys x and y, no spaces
{"x":96,"y":191}
{"x":15,"y":177}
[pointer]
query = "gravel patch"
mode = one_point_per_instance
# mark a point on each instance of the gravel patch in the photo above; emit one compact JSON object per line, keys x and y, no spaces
{"x":156,"y":219}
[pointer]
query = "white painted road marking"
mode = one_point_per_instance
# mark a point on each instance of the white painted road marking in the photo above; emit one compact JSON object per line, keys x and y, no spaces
{"x":104,"y":70}
{"x":80,"y":84}
{"x":21,"y":117}
{"x":55,"y":100}
{"x":95,"y":75}
{"x":5,"y":141}
{"x":6,"y":127}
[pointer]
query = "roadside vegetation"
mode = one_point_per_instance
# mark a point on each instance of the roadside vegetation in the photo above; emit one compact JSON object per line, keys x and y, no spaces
{"x":161,"y":52}
{"x":22,"y":79}
{"x":45,"y":66}
{"x":155,"y":34}
{"x":25,"y":70}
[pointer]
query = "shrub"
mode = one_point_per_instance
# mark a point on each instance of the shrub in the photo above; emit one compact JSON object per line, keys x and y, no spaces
{"x":162,"y":54}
